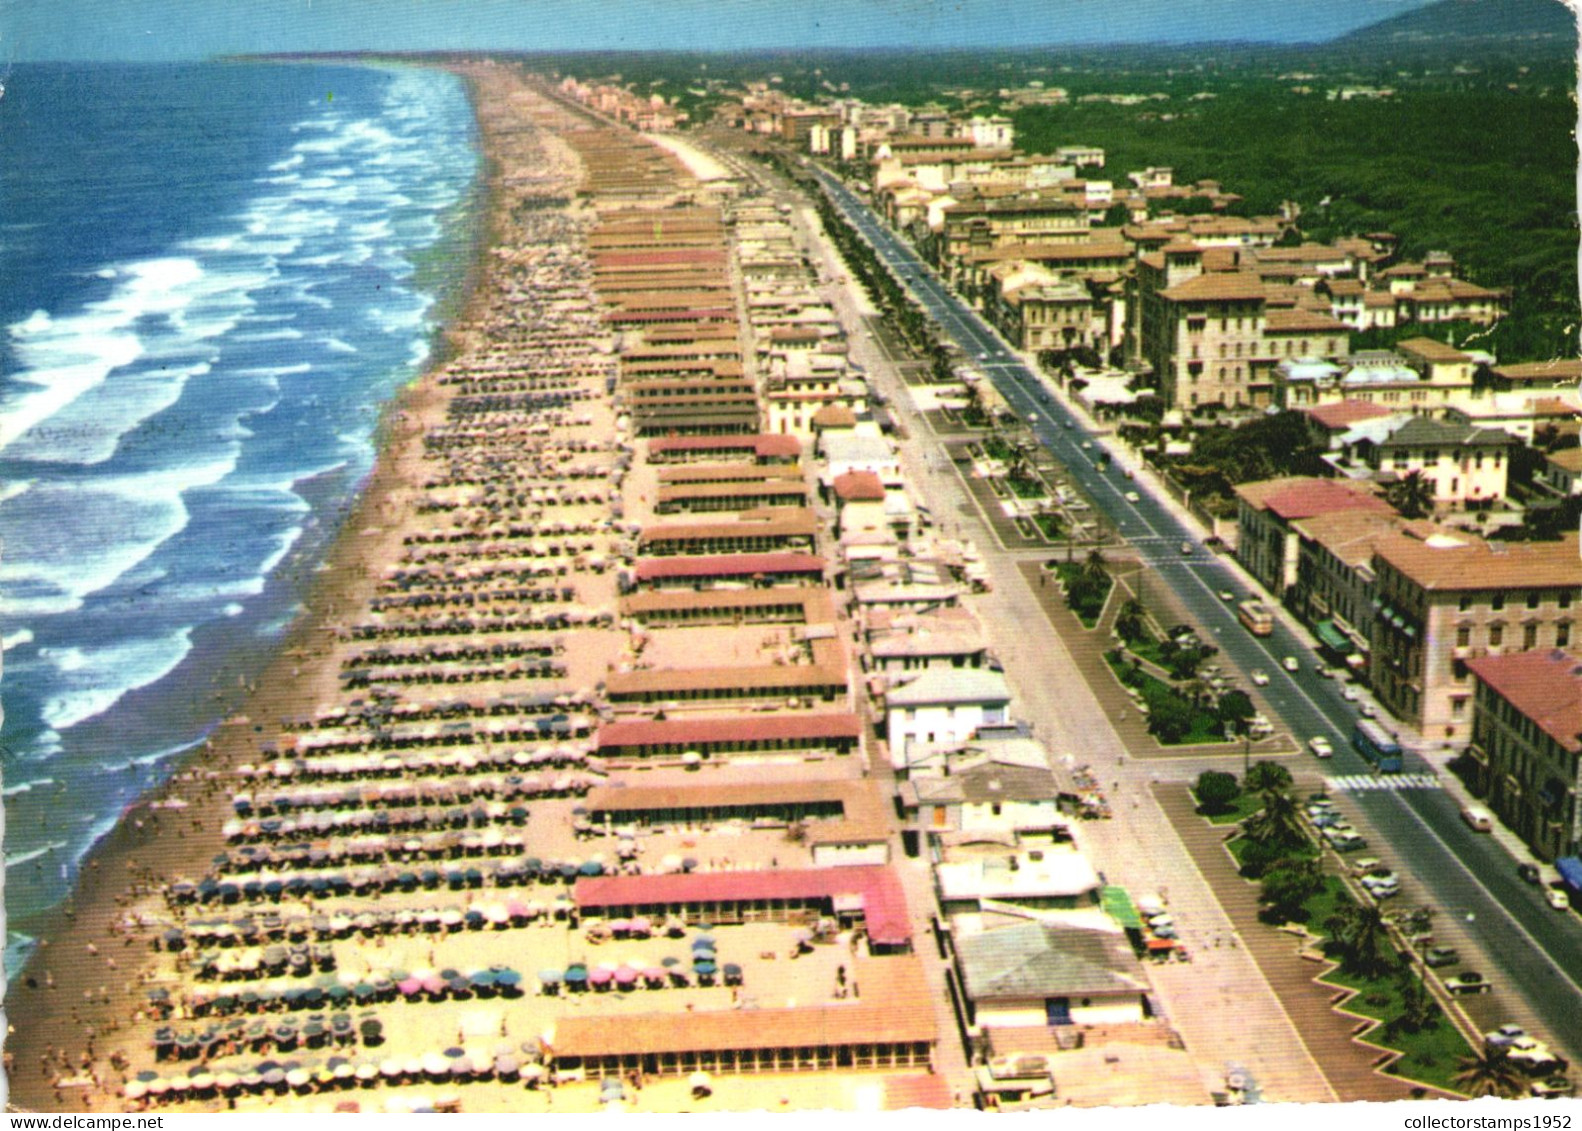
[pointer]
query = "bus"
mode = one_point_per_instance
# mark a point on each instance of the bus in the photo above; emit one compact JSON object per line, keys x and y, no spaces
{"x":1255,"y":617}
{"x":1378,"y":746}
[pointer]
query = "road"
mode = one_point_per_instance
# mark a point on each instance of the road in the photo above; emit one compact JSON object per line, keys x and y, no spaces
{"x":1531,"y":950}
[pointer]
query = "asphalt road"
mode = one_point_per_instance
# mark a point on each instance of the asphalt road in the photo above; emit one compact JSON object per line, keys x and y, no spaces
{"x":1532,"y":949}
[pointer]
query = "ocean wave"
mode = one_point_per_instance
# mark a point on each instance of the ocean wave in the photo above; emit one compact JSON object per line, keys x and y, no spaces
{"x":26,"y":787}
{"x":335,"y":345}
{"x":16,"y":639}
{"x":97,"y":678}
{"x":117,"y":524}
{"x":144,"y":761}
{"x":28,"y":857}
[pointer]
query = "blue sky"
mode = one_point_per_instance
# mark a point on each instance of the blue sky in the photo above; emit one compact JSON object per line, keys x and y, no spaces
{"x":194,"y":29}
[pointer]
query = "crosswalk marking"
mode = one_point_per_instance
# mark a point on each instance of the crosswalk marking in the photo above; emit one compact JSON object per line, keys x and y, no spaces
{"x":1359,"y":783}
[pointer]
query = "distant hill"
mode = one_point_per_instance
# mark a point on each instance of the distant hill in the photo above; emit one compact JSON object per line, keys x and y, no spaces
{"x":1471,"y":20}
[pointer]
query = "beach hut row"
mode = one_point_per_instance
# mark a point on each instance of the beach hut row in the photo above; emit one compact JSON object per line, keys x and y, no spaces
{"x":399,"y":794}
{"x":467,"y":626}
{"x":366,"y":880}
{"x":360,"y":764}
{"x":405,"y":847}
{"x":334,"y":823}
{"x":557,"y":528}
{"x":337,"y":1073}
{"x":538,"y":669}
{"x":299,"y":925}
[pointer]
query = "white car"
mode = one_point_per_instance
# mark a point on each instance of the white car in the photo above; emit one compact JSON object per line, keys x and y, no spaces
{"x":1133,"y":497}
{"x":1350,"y":694}
{"x":1260,"y":679}
{"x":1290,"y":664}
{"x":1087,"y":445}
{"x":1368,"y":711}
{"x":1558,"y":899}
{"x":1320,"y":746}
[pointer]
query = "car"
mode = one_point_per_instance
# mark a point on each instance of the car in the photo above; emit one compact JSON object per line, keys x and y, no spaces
{"x":1347,"y":840}
{"x":1032,"y":418}
{"x":1133,"y":497}
{"x":1320,"y":746}
{"x":1558,"y":899}
{"x":1326,"y":819}
{"x":1087,"y":445}
{"x":1290,"y":664}
{"x":1227,"y":594}
{"x":1552,"y":1087}
{"x":1529,"y":872}
{"x":1383,"y":889}
{"x":1506,"y":1035}
{"x":1068,"y":424}
{"x":1368,"y":711}
{"x":1127,"y":473}
{"x":1260,"y":678}
{"x":1365,"y":864}
{"x":1468,"y":982}
{"x":1323,"y":672}
{"x":1379,"y":875}
{"x":1350,"y":694}
{"x":1437,"y":956}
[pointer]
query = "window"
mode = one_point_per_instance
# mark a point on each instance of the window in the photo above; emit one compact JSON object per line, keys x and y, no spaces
{"x":1562,"y":634}
{"x":1497,"y":602}
{"x":1529,"y":637}
{"x":1565,"y":598}
{"x":1463,"y":636}
{"x":1464,"y":604}
{"x":1496,"y":635}
{"x":1532,"y":600}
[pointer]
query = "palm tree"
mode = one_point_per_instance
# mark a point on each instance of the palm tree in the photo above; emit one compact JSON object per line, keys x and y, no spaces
{"x":1095,"y":564}
{"x":1278,"y":823}
{"x":1417,"y":1005}
{"x":1129,"y":620}
{"x":1267,"y":778}
{"x":1362,"y":938}
{"x":1412,"y":495}
{"x":1489,"y":1074}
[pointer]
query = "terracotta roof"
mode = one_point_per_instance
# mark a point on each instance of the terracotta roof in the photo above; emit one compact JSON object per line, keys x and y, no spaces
{"x":933,"y":1091}
{"x":834,"y":416}
{"x":1468,"y":563}
{"x":1297,"y":497}
{"x":1546,"y":687}
{"x":1301,"y":321}
{"x":704,"y":732}
{"x":749,"y":678}
{"x":1430,"y":350}
{"x":859,"y":486}
{"x":1352,"y":535}
{"x":1341,"y":415}
{"x":883,"y":900}
{"x":1567,"y":369}
{"x":775,"y":522}
{"x":896,"y":1007}
{"x":1567,"y":459}
{"x":817,"y":607}
{"x":1344,"y":287}
{"x":764,"y":445}
{"x":729,"y":565}
{"x":728,"y":473}
{"x":1227,"y":286}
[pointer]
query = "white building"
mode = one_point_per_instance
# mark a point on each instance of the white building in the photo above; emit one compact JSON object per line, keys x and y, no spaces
{"x":944,"y":707}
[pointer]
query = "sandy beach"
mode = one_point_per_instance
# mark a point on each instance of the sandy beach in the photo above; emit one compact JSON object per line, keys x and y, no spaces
{"x":81,"y":997}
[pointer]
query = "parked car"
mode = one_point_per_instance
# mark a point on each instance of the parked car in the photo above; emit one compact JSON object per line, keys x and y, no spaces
{"x":1350,"y":694}
{"x":1323,"y":672}
{"x":1290,"y":664}
{"x":1383,"y":889}
{"x":1552,"y":1087}
{"x":1468,"y":982}
{"x":1558,"y":899}
{"x":1326,"y":819}
{"x":1507,"y":1034}
{"x":1186,"y":547}
{"x":1227,"y":594}
{"x":1260,"y":678}
{"x":1366,"y":864}
{"x":1529,"y":872}
{"x":1133,"y":497}
{"x":1368,"y":711}
{"x":1438,"y":956}
{"x":1320,"y":746}
{"x":1349,"y":841}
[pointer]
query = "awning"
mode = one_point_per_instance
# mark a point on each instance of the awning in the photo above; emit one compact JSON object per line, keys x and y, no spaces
{"x":1332,"y":637}
{"x":1118,"y":906}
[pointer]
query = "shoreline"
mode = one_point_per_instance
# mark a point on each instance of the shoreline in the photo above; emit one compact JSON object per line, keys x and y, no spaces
{"x":61,"y":985}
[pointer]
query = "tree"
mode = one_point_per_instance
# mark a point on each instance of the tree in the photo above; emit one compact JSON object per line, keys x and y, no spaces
{"x":1094,"y":566}
{"x":1235,"y":710}
{"x":1417,"y":1004}
{"x":1215,"y":792}
{"x":1362,"y":940}
{"x":1490,"y":1073}
{"x":1266,"y":777}
{"x":1412,"y":495}
{"x":1129,"y":620}
{"x":1169,"y":717}
{"x":1287,"y":886}
{"x":1278,"y":823}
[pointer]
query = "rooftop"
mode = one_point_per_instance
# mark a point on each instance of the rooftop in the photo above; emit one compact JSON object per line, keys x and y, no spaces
{"x":956,"y":685}
{"x":858,"y":486}
{"x":1341,"y":415}
{"x":1546,"y":687}
{"x":1445,"y":564}
{"x":1297,"y":497}
{"x":1043,"y":960}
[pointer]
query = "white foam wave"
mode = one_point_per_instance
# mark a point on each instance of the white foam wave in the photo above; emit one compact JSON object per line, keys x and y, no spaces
{"x":144,"y":761}
{"x":97,"y":678}
{"x":25,"y":787}
{"x":335,"y":345}
{"x":16,"y":639}
{"x":28,"y":857}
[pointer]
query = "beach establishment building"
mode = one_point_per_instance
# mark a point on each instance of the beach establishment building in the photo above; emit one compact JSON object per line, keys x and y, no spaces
{"x":1044,"y":974}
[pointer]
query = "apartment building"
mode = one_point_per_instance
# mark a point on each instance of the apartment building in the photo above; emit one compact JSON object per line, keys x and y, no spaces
{"x":1465,"y":465}
{"x":1267,"y":514}
{"x":1527,"y":745}
{"x":1447,"y":599}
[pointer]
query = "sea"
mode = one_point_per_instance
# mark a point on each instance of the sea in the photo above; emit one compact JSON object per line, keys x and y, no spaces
{"x":212,"y":279}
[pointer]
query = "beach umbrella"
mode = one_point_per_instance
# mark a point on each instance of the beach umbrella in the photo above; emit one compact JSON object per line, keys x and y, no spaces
{"x":436,"y":1065}
{"x":410,"y":987}
{"x":227,"y":1081}
{"x":366,"y":1073}
{"x":392,"y":1069}
{"x":600,"y":976}
{"x":703,"y":942}
{"x":298,"y":1078}
{"x":642,"y":926}
{"x":507,"y":978}
{"x":372,"y":1031}
{"x":703,"y":967}
{"x":135,"y":1090}
{"x":732,"y":972}
{"x":625,"y":976}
